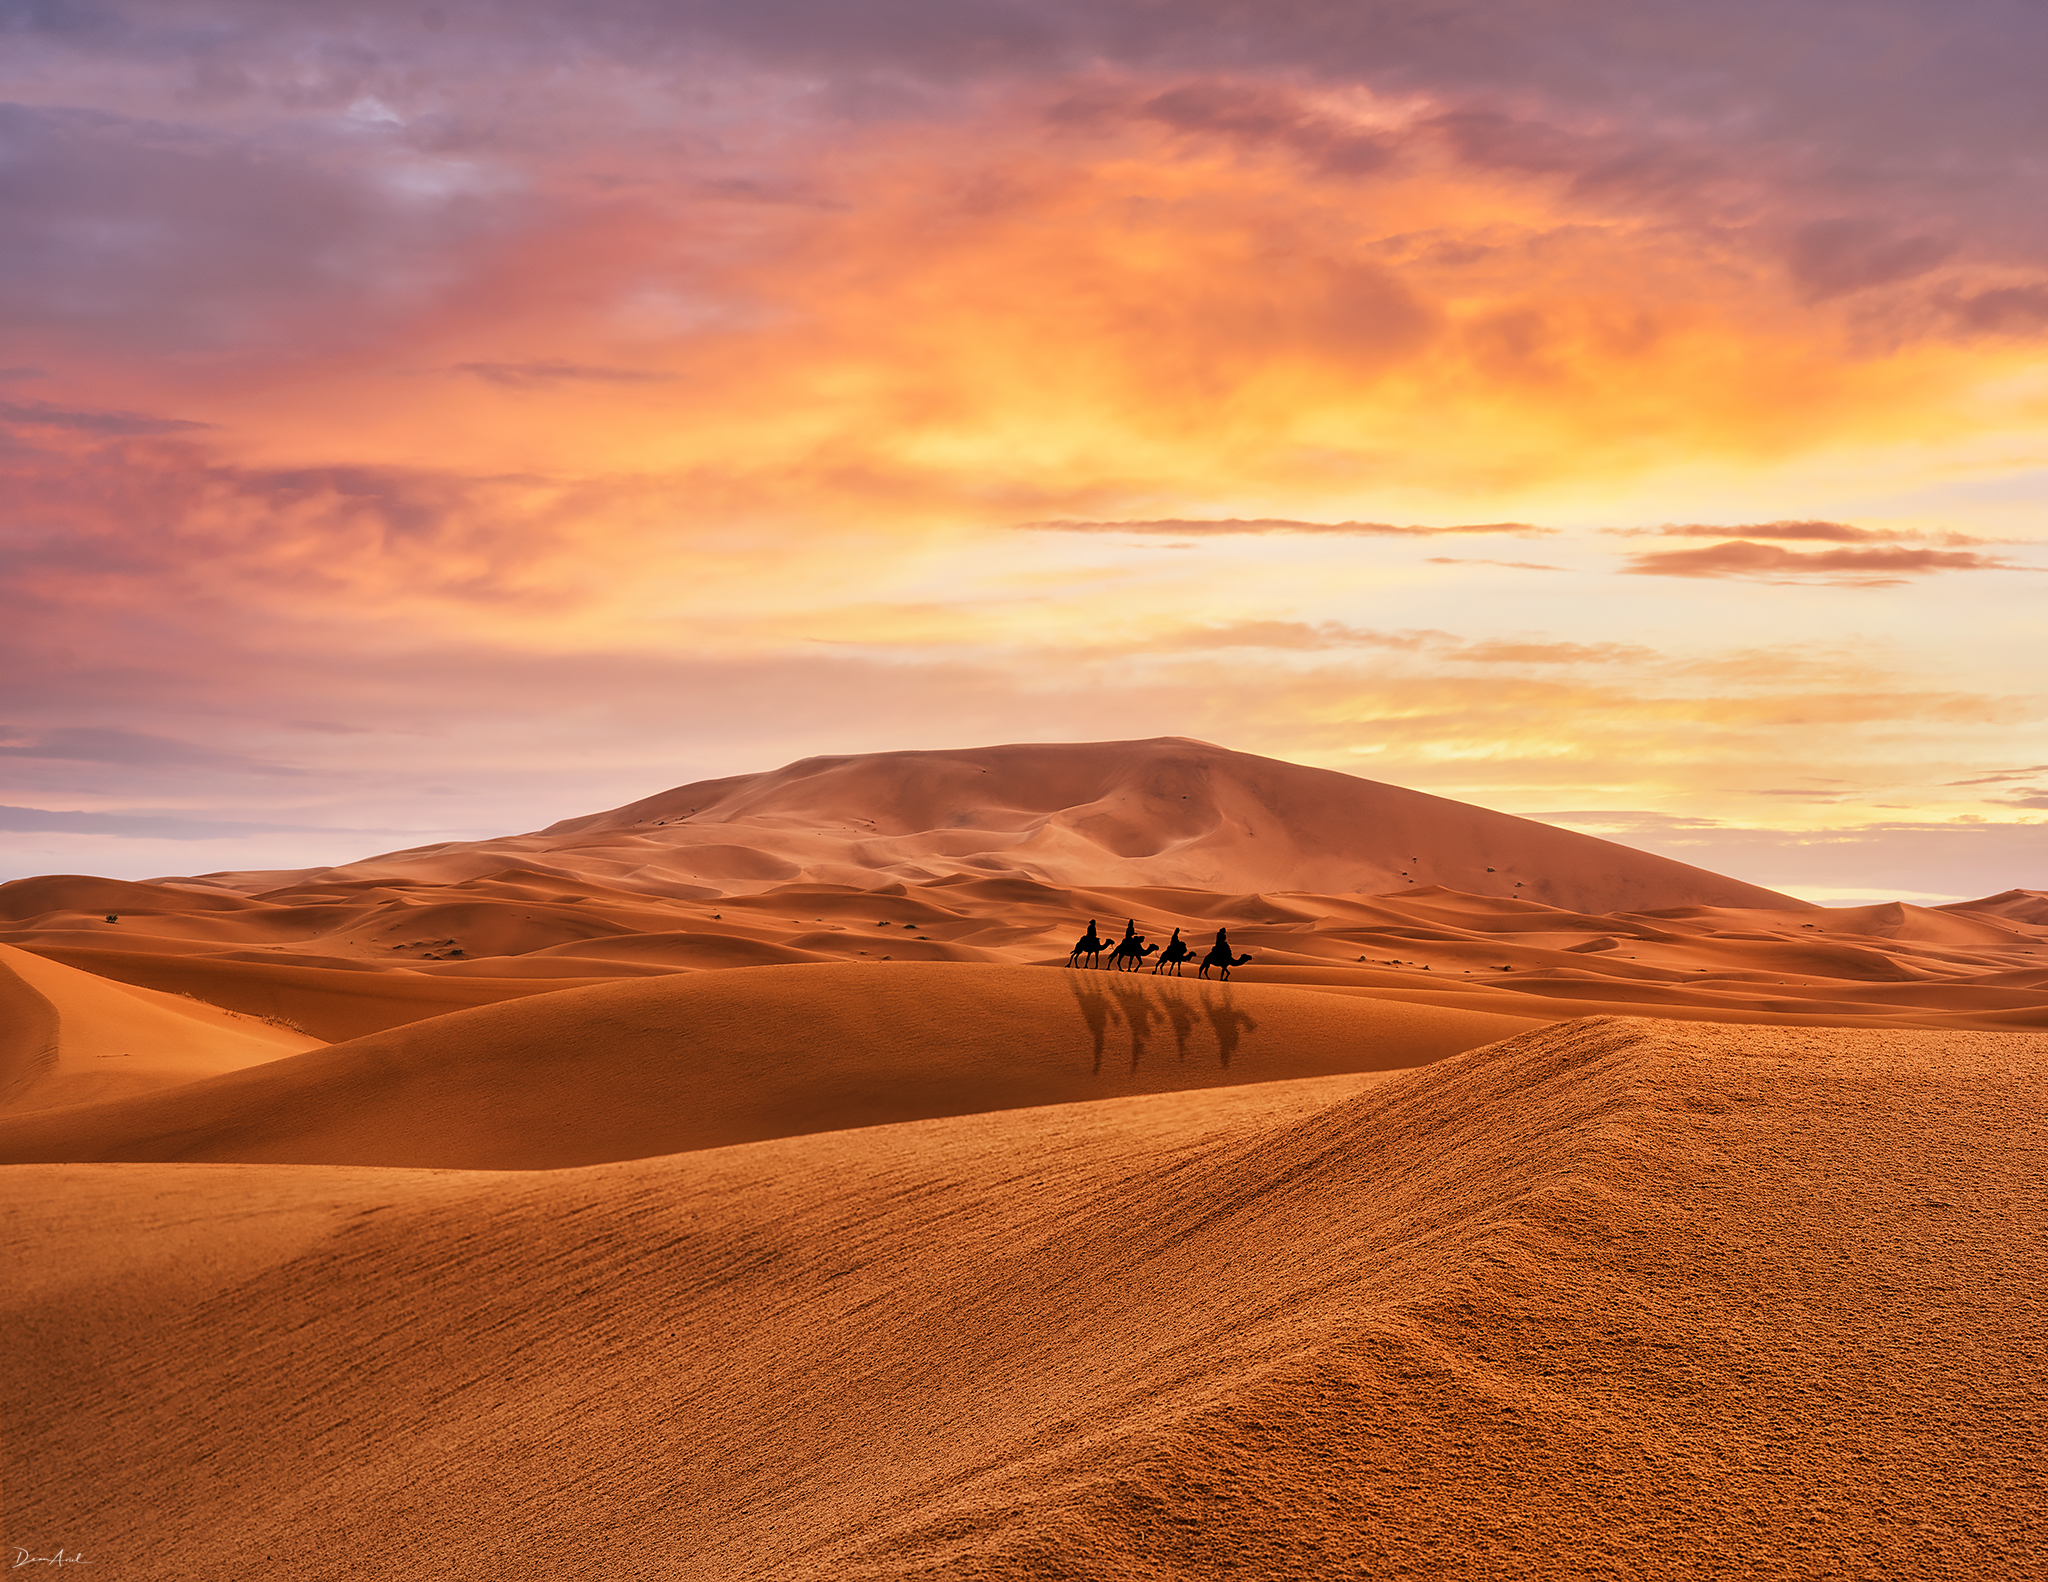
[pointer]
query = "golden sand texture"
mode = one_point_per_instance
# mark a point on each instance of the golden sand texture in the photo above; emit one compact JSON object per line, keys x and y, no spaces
{"x":1611,"y":1298}
{"x":703,"y":1060}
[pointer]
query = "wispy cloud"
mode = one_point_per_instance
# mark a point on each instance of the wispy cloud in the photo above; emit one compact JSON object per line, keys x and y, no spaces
{"x":1830,"y":532}
{"x":41,"y":414}
{"x":1511,"y":565}
{"x":112,"y":745}
{"x":1509,"y":653}
{"x":1300,"y":636}
{"x":1863,"y":568}
{"x":1217,"y":527}
{"x":1838,"y":256}
{"x":152,"y":826}
{"x":1633,"y":820}
{"x":2000,"y":776}
{"x":546,"y":373}
{"x":2023,"y":793}
{"x":1248,"y":115}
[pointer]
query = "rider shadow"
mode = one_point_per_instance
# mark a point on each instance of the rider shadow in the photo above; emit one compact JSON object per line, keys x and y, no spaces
{"x":1180,"y":1016}
{"x":1139,"y":1014}
{"x":1107,"y":1002}
{"x":1227,"y":1022}
{"x":1092,"y":996}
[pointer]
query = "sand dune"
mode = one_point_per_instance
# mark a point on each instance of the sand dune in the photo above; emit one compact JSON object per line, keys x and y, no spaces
{"x":92,"y":1040}
{"x":1169,"y":811}
{"x":1002,"y":855}
{"x":1889,"y":965}
{"x":333,"y":1002}
{"x":1607,"y":1299}
{"x":631,"y":1070}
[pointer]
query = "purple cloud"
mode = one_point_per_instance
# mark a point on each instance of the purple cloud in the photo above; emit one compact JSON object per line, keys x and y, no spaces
{"x":549,"y":372}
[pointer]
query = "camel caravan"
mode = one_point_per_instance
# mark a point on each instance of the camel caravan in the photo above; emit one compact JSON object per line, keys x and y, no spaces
{"x":1130,"y":952}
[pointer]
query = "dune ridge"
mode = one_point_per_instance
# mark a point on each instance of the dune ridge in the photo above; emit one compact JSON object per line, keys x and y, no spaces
{"x":647,"y":1067}
{"x":1609,"y":1297}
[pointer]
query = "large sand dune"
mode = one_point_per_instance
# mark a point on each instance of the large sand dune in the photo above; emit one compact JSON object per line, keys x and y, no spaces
{"x":1607,"y":1299}
{"x":1002,"y":856}
{"x":1169,"y":811}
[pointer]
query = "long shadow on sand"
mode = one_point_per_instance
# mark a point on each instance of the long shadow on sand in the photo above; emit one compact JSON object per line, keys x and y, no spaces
{"x":1136,"y":1008}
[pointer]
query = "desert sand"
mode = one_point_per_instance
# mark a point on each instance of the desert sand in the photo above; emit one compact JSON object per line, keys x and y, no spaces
{"x":520,"y":1209}
{"x":1608,"y":1298}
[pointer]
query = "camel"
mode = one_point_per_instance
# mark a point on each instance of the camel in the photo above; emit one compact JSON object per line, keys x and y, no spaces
{"x":1173,"y":955}
{"x":1088,"y":945}
{"x":1220,"y":956}
{"x":1133,"y":950}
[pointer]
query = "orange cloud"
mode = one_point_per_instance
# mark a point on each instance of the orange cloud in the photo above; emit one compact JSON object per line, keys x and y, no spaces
{"x":1865,"y":568}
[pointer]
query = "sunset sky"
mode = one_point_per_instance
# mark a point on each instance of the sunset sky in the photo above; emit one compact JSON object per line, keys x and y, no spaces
{"x":424,"y":422}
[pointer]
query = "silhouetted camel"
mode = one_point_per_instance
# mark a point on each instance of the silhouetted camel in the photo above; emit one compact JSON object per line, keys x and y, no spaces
{"x":1133,"y":950}
{"x":1220,"y":956}
{"x":1173,"y":955}
{"x":1088,"y":945}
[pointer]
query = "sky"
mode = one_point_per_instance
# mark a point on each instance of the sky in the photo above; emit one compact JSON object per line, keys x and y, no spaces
{"x":426,"y":422}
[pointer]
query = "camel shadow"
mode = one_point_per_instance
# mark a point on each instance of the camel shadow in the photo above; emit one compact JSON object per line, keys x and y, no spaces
{"x":1138,"y":1008}
{"x":1227,"y":1022}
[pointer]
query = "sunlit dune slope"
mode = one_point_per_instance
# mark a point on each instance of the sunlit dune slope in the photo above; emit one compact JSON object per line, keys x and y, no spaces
{"x":68,"y":1037}
{"x":1607,"y":1299}
{"x":629,"y":1070}
{"x":1169,"y":811}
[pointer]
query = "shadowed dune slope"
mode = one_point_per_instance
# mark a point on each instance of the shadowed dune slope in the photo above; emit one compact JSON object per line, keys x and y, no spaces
{"x":94,"y":1040}
{"x":1168,"y":811}
{"x":28,"y":1035}
{"x":1607,"y":1299}
{"x":332,"y":1003}
{"x":663,"y":1065}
